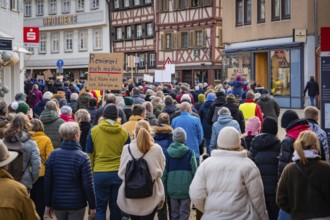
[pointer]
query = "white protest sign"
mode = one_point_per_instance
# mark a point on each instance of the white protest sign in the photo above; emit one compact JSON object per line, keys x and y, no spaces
{"x":170,"y":68}
{"x":148,"y":78}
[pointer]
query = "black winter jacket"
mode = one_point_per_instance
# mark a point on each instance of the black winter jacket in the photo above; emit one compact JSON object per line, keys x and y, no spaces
{"x":269,"y":106}
{"x":312,"y":87}
{"x":237,"y":114}
{"x":219,"y":101}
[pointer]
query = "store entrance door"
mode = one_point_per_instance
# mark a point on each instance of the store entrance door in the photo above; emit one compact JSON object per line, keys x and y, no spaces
{"x":187,"y":77}
{"x":261,"y":68}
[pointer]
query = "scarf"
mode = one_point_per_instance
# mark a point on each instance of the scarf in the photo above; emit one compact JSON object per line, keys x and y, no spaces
{"x":309,"y":154}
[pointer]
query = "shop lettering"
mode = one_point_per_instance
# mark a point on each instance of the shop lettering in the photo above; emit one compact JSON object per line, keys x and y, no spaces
{"x":60,"y":20}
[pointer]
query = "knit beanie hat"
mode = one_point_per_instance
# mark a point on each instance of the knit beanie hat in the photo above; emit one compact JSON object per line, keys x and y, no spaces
{"x":269,"y":126}
{"x":110,"y":111}
{"x":128,"y":101}
{"x":201,"y":98}
{"x":288,"y":117}
{"x":164,"y":118}
{"x":230,"y":98}
{"x":229,"y":138}
{"x":253,"y":126}
{"x":20,"y":96}
{"x":210,"y":97}
{"x":179,"y":135}
{"x":22,"y":107}
{"x":67,"y":110}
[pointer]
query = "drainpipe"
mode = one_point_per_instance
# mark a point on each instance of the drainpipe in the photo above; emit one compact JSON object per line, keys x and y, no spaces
{"x":110,"y":25}
{"x":316,"y":38}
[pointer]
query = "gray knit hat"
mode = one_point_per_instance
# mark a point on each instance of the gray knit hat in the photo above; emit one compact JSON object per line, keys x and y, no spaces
{"x":179,"y":135}
{"x":110,"y":111}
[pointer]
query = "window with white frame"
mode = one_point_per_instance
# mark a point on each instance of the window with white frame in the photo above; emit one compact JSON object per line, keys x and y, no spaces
{"x":27,"y":8}
{"x":83,"y":40}
{"x":3,"y":3}
{"x":119,"y":33}
{"x":68,"y":41}
{"x":66,"y":6}
{"x":97,"y":39}
{"x":128,"y":32}
{"x":141,"y":60}
{"x":40,"y":7}
{"x":13,"y":5}
{"x":52,"y":7}
{"x":55,"y":40}
{"x":126,"y":3}
{"x":95,"y":4}
{"x":136,"y":2}
{"x":80,"y":5}
{"x":138,"y":31}
{"x":31,"y":50}
{"x":199,"y":38}
{"x":152,"y":60}
{"x":168,"y":41}
{"x":116,"y":4}
{"x":150,"y":29}
{"x":43,"y":43}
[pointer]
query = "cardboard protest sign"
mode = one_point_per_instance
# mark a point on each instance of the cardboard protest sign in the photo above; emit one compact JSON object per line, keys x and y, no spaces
{"x":105,"y":71}
{"x":40,"y":77}
{"x":48,"y":74}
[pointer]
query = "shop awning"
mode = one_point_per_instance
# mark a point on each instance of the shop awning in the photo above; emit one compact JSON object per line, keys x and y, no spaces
{"x":263,"y":47}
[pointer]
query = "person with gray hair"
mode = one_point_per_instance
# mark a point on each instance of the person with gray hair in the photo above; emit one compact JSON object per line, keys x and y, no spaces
{"x":150,"y":116}
{"x":136,"y":96}
{"x":68,"y":188}
{"x":83,"y":118}
{"x":66,"y":113}
{"x":73,"y":101}
{"x":4,"y":120}
{"x":40,"y":106}
{"x":224,"y":120}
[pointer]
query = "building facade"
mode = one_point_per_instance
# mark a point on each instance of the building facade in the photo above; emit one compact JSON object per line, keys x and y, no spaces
{"x":189,"y":32}
{"x":273,"y":42}
{"x":69,"y":30}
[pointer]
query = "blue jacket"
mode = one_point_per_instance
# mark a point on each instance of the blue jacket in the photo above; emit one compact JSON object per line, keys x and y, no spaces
{"x":238,"y":87}
{"x":193,"y":128}
{"x":223,"y":121}
{"x":68,"y":179}
{"x":40,"y":106}
{"x":163,"y":135}
{"x":207,"y":128}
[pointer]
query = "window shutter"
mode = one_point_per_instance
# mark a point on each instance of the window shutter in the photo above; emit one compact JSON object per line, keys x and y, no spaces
{"x":188,"y":3}
{"x":204,"y":38}
{"x":179,"y":39}
{"x":176,"y":4}
{"x":159,"y":5}
{"x":165,"y":5}
{"x":162,"y":42}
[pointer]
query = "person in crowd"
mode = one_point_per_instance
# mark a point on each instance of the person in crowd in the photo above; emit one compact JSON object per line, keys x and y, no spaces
{"x":232,"y":105}
{"x":83,"y":118}
{"x":200,"y":101}
{"x":83,"y":99}
{"x":4,"y":120}
{"x":236,"y":184}
{"x":268,"y":105}
{"x":20,"y":107}
{"x":40,"y":106}
{"x":143,"y":145}
{"x":157,"y":104}
{"x":184,"y":89}
{"x":264,"y":151}
{"x":19,"y":135}
{"x":128,"y":106}
{"x":22,"y":207}
{"x":303,"y":189}
{"x":180,"y":169}
{"x":313,"y":90}
{"x":20,"y":97}
{"x":237,"y":85}
{"x":149,"y":113}
{"x":185,"y":98}
{"x":67,"y":91}
{"x":149,"y":94}
{"x":169,"y":107}
{"x":68,"y":179}
{"x":250,"y":108}
{"x":192,"y":126}
{"x":105,"y":144}
{"x":60,"y":97}
{"x":66,"y":114}
{"x":311,"y":114}
{"x":52,"y":121}
{"x":207,"y":128}
{"x":110,"y":98}
{"x":92,"y":108}
{"x":197,"y":90}
{"x":34,"y":96}
{"x":45,"y":148}
{"x":224,"y":120}
{"x":136,"y":96}
{"x":28,"y":84}
{"x":252,"y":128}
{"x":138,"y":113}
{"x":73,"y":101}
{"x":219,"y":101}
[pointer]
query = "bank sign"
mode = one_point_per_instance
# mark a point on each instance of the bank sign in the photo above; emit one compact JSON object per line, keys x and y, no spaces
{"x":31,"y":35}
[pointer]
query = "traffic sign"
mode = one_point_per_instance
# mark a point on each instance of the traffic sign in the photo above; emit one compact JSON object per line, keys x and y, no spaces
{"x":167,"y":61}
{"x":31,"y":35}
{"x":59,"y":63}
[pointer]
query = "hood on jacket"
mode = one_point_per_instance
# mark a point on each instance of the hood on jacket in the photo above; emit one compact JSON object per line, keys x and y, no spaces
{"x":220,"y":101}
{"x":296,"y":127}
{"x":264,"y":141}
{"x":177,"y":150}
{"x":48,"y":116}
{"x":208,"y":103}
{"x":110,"y":128}
{"x":264,"y":97}
{"x":24,"y":136}
{"x":135,"y":118}
{"x":150,"y":115}
{"x":233,"y":108}
{"x":58,"y":96}
{"x":224,"y":119}
{"x":84,"y":98}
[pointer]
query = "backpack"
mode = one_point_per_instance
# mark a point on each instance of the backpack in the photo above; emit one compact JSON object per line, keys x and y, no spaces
{"x":138,"y":180}
{"x":216,"y":114}
{"x":16,"y":168}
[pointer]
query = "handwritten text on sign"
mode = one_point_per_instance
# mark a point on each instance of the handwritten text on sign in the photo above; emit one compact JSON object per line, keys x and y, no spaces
{"x":105,"y":71}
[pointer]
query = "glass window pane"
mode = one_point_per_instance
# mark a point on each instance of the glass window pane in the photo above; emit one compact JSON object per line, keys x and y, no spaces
{"x":280,"y":60}
{"x":239,"y":11}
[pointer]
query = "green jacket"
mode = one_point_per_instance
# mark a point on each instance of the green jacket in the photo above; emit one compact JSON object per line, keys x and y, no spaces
{"x":52,"y":123}
{"x":180,"y":169}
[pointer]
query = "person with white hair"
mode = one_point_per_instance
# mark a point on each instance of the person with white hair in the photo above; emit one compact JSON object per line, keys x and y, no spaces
{"x":66,"y":114}
{"x":42,"y":103}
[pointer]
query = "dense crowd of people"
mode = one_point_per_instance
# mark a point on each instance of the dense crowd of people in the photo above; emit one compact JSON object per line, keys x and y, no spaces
{"x":214,"y":149}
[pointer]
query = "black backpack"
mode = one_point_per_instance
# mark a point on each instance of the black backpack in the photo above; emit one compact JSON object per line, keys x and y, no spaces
{"x":138,"y":180}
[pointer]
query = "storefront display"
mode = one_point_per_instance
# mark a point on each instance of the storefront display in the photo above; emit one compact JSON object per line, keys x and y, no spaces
{"x":280,"y":72}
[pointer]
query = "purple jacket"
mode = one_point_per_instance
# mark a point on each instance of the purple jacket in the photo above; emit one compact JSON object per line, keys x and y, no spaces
{"x":33,"y":98}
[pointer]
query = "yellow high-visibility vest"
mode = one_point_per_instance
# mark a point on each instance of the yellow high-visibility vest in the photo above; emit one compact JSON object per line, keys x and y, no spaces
{"x":248,"y":109}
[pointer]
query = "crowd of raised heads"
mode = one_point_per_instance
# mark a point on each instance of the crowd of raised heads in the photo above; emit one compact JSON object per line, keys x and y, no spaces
{"x":160,"y":149}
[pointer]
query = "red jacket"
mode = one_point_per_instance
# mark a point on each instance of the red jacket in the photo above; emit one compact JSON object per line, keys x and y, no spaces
{"x":258,"y":112}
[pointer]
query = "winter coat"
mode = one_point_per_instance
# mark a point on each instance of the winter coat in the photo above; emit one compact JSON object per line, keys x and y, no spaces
{"x":237,"y":115}
{"x":313,"y":88}
{"x":151,"y":118}
{"x":264,"y":151}
{"x":246,"y":141}
{"x":269,"y":106}
{"x":257,"y":111}
{"x":157,"y":111}
{"x":85,"y":128}
{"x":34,"y":97}
{"x":207,"y":128}
{"x":238,"y":87}
{"x":99,"y":112}
{"x":128,"y":111}
{"x":156,"y":163}
{"x":82,"y":102}
{"x":223,"y":121}
{"x":73,"y":105}
{"x":322,"y":137}
{"x":178,"y":97}
{"x":170,"y":109}
{"x":198,"y":105}
{"x":40,"y":107}
{"x":92,"y":113}
{"x":233,"y":190}
{"x":52,"y":123}
{"x":31,"y":158}
{"x":3,"y":125}
{"x":68,"y":179}
{"x":302,"y":199}
{"x":137,"y":99}
{"x":179,"y":172}
{"x":178,"y":113}
{"x":61,"y":99}
{"x":193,"y":128}
{"x":15,"y":201}
{"x":292,"y":132}
{"x":45,"y":148}
{"x":162,"y":135}
{"x":131,"y":124}
{"x":67,"y":118}
{"x":219,"y":102}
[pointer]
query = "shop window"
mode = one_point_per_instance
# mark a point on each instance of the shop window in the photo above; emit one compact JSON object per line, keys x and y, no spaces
{"x":217,"y":75}
{"x":280,"y":61}
{"x":128,"y":32}
{"x":14,"y":5}
{"x":281,"y":9}
{"x":150,"y":29}
{"x":80,"y":5}
{"x":236,"y":63}
{"x":261,"y":7}
{"x":55,"y":40}
{"x":119,"y":33}
{"x":97,"y":39}
{"x":66,"y":6}
{"x":184,"y":40}
{"x":68,"y":41}
{"x":95,"y":4}
{"x":152,"y":60}
{"x":40,"y":7}
{"x":200,"y":77}
{"x":27,"y":8}
{"x":136,"y":2}
{"x":147,"y":2}
{"x":3,"y":3}
{"x":83,"y":40}
{"x":43,"y":43}
{"x":243,"y":12}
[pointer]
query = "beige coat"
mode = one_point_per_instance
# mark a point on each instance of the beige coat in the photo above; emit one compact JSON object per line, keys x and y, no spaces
{"x":156,"y":163}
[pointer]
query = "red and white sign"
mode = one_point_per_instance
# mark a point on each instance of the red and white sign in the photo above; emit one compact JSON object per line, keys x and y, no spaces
{"x":31,"y":35}
{"x":167,"y":61}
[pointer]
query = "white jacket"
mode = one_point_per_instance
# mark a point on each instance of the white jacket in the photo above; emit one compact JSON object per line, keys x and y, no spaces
{"x":228,"y":185}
